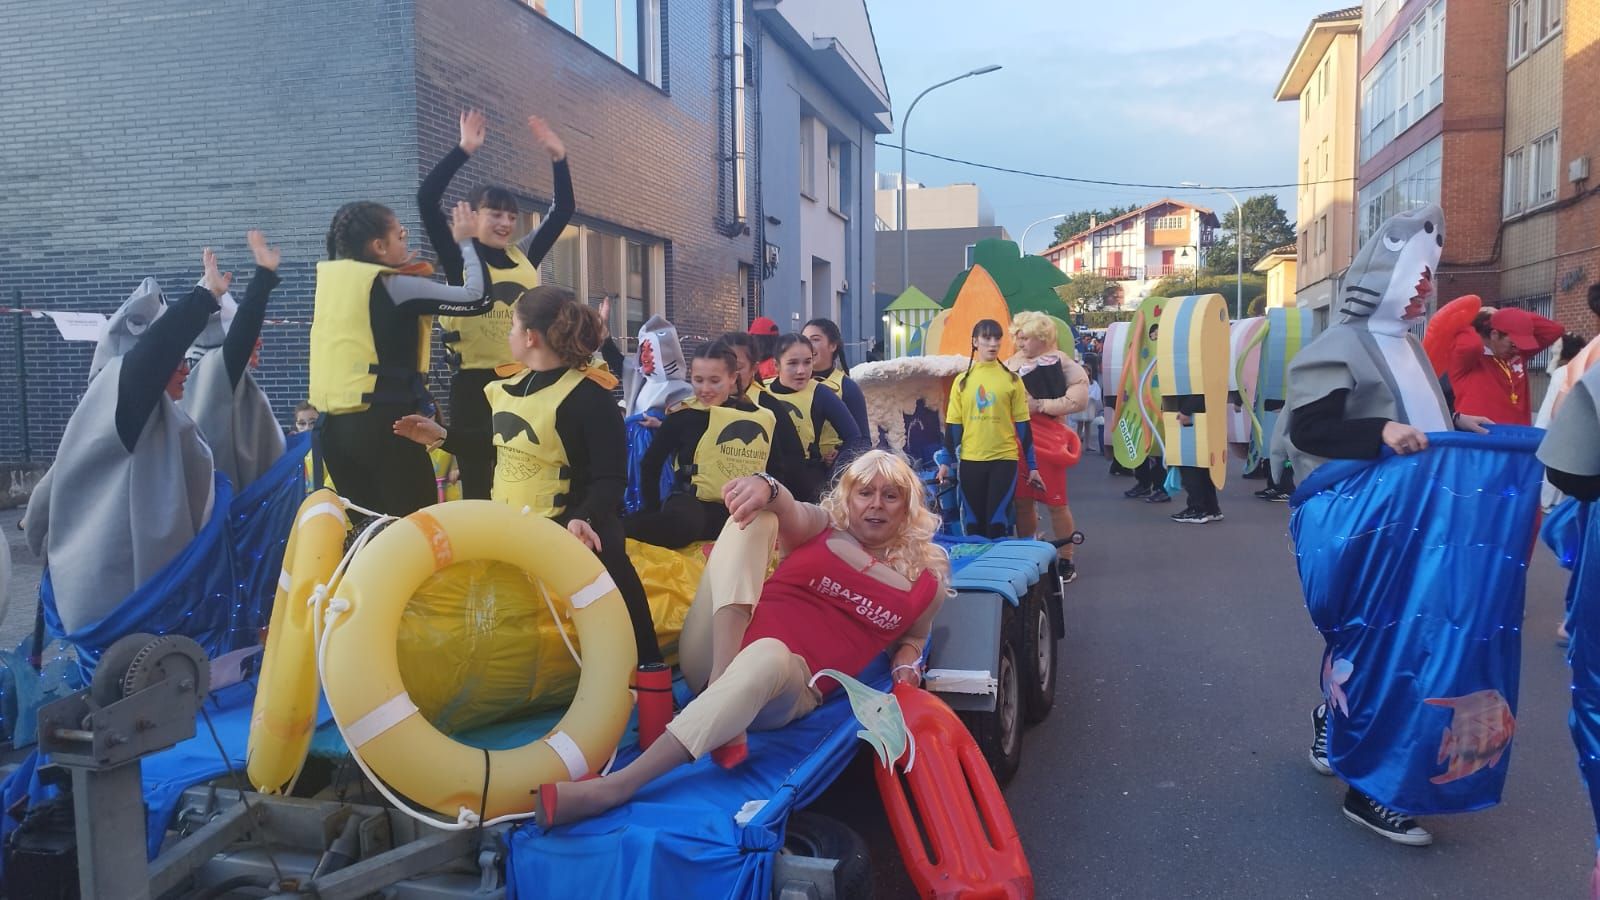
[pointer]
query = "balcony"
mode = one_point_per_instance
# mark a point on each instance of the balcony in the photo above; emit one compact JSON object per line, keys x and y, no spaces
{"x":1168,"y":271}
{"x":1121,"y":273}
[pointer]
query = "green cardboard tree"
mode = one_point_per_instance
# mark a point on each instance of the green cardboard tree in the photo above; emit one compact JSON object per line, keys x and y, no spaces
{"x":1027,"y":282}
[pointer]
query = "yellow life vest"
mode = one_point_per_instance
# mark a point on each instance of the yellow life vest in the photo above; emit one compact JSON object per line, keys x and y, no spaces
{"x":754,"y":391}
{"x":801,"y":406}
{"x":479,"y":342}
{"x":531,"y":466}
{"x":829,"y":441}
{"x":737,"y":442}
{"x":345,"y":374}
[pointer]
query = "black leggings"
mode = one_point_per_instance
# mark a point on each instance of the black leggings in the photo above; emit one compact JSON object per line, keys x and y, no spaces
{"x":988,"y":487}
{"x":1151,"y":473}
{"x":1202,"y":493}
{"x":614,"y":556}
{"x":469,"y":414}
{"x":681,"y":520}
{"x":372,"y":466}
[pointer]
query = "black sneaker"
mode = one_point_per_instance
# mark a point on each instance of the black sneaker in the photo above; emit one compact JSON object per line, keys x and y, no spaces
{"x":1319,"y":740}
{"x":1266,"y":493}
{"x":1069,"y":572}
{"x":1280,"y":496}
{"x":1158,"y":497}
{"x":1191,"y":516}
{"x":1396,"y":826}
{"x":1137,"y":491}
{"x":1214,"y":516}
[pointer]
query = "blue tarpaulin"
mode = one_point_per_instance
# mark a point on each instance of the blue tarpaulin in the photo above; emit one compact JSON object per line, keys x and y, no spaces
{"x":678,"y":838}
{"x":639,"y":438}
{"x":1584,"y":652}
{"x":1414,"y":569}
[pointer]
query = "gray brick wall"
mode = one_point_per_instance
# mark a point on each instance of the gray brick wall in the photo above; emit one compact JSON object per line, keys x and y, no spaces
{"x":134,"y":132}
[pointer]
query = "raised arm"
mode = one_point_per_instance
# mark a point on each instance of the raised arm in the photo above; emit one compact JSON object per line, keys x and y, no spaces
{"x":1545,"y":332}
{"x":424,"y":296}
{"x":149,"y":366}
{"x":240,"y":344}
{"x":538,"y":243}
{"x":430,"y":195}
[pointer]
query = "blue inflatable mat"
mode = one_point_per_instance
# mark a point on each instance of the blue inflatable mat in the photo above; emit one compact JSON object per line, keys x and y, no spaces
{"x":678,"y":838}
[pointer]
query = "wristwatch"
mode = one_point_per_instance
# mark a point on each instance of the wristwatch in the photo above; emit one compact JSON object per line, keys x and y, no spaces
{"x":772,"y":485}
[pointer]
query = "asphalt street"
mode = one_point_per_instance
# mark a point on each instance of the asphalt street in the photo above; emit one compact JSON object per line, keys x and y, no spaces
{"x":1174,"y":763}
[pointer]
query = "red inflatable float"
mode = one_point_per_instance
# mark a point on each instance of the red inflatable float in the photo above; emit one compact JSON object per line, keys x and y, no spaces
{"x":960,"y":814}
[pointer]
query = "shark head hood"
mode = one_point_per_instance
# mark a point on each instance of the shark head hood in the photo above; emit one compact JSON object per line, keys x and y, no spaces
{"x":664,"y":373}
{"x":1388,"y":283}
{"x":128,"y":324}
{"x":216,"y":329}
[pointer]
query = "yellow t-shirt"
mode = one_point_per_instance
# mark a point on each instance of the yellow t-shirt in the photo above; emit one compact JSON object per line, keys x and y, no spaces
{"x":987,"y":402}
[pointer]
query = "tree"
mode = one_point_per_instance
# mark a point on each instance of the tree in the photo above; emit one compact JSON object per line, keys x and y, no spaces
{"x":1182,"y":285}
{"x":1266,"y":227}
{"x":1086,"y":291}
{"x":1026,"y":282}
{"x":1078,"y":222}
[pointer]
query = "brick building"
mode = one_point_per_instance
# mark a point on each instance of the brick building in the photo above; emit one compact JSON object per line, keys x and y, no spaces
{"x":137,"y":133}
{"x":1578,"y":215}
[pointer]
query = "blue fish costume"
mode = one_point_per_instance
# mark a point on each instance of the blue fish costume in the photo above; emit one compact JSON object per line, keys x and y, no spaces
{"x":1571,"y":451}
{"x":1414,"y":567}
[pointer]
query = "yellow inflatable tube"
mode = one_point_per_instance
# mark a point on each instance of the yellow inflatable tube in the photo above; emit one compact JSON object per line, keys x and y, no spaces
{"x":381,"y":724}
{"x":285,"y":710}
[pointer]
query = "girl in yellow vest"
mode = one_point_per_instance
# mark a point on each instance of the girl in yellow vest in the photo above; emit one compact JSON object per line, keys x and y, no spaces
{"x":560,"y":448}
{"x":830,"y":368}
{"x":477,"y":344}
{"x":716,"y":438}
{"x":985,"y":424}
{"x":811,"y":405}
{"x":786,"y":441}
{"x":371,"y":323}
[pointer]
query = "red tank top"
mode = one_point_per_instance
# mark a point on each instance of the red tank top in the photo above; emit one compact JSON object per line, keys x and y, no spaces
{"x":832,"y":615}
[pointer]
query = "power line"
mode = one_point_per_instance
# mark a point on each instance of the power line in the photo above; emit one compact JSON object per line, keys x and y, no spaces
{"x":1125,"y":184}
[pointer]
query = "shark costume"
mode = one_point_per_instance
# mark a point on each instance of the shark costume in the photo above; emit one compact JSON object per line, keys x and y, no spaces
{"x":222,"y":396}
{"x":133,"y":480}
{"x":1420,"y":675}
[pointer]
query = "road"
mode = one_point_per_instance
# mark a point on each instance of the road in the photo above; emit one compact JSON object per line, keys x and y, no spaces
{"x":1174,"y":764}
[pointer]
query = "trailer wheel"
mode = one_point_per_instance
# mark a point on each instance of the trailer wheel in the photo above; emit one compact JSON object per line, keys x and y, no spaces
{"x":814,"y":834}
{"x":1039,"y":683}
{"x":999,"y":731}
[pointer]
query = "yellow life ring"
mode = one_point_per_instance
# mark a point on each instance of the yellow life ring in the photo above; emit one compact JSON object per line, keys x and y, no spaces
{"x":282,"y":721}
{"x":382,"y":725}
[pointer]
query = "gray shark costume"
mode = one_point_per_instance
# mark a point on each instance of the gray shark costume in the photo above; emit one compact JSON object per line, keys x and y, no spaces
{"x":1572,"y":444}
{"x":235,"y":417}
{"x":1371,"y":353}
{"x":107,"y":516}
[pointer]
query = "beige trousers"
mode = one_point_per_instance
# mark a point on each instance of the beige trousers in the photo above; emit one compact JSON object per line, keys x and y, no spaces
{"x":765,"y":686}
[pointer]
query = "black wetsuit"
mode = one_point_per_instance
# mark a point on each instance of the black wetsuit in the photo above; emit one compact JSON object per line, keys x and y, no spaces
{"x":468,"y":408}
{"x":148,"y":366}
{"x":813,"y":473}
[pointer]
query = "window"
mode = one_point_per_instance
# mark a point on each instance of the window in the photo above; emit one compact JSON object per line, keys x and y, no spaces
{"x":597,"y":264}
{"x":1327,"y":158}
{"x":836,"y":161}
{"x":1305,"y":171}
{"x":624,"y":30}
{"x":1172,"y":223}
{"x":1545,"y":183}
{"x":808,"y":157}
{"x":747,"y":310}
{"x":972,"y":249}
{"x":1519,"y":41}
{"x":1530,"y":175}
{"x":1549,"y":18}
{"x":1407,"y":82}
{"x":1516,"y":175}
{"x":1322,"y":235}
{"x":1410,"y":183}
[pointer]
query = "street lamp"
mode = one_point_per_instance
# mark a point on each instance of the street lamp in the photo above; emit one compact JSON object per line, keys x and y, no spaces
{"x":1238,"y":247}
{"x":1024,"y":245}
{"x":1194,"y":268}
{"x":905,"y":235}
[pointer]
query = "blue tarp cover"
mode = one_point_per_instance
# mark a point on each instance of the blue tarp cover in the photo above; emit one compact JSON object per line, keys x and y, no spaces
{"x":1584,"y":653}
{"x":1414,"y":569}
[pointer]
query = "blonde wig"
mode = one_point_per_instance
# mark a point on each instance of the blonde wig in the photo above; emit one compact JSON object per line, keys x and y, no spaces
{"x":1030,"y":324}
{"x":912,"y":551}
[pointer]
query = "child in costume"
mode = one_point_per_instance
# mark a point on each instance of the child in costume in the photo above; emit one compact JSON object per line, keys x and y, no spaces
{"x":1363,"y":385}
{"x":830,"y":368}
{"x":811,"y":406}
{"x":561,"y":451}
{"x":477,"y":344}
{"x":1056,"y":388}
{"x":985,"y":424}
{"x":717,"y":438}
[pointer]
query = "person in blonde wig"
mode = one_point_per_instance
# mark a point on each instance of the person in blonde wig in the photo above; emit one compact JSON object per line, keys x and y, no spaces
{"x":860,"y":575}
{"x":1057,"y":387}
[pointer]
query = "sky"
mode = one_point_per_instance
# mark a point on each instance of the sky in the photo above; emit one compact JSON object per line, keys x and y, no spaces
{"x":1153,"y":91}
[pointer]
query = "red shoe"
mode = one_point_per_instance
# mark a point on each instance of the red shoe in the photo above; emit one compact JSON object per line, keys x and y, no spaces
{"x":732,"y":753}
{"x":653,"y":682}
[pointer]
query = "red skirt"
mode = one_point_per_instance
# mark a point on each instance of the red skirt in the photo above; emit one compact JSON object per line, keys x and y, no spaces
{"x":1055,"y":448}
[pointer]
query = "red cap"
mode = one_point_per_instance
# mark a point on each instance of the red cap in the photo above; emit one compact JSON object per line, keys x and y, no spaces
{"x":1518,"y":325}
{"x":763,"y":325}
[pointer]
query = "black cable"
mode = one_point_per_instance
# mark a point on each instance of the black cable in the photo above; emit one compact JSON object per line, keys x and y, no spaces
{"x":1127,"y":184}
{"x":240,"y":786}
{"x":483,"y":802}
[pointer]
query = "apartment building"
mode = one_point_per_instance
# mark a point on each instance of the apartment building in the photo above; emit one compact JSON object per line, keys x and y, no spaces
{"x":1139,"y":248}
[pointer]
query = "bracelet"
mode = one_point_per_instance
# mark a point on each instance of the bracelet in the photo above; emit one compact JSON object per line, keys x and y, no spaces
{"x":912,"y":666}
{"x":772,"y":485}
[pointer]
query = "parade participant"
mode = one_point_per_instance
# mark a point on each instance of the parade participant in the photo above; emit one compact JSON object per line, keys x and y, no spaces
{"x":830,"y":367}
{"x":786,"y":446}
{"x":560,"y":445}
{"x":765,"y":331}
{"x":1488,"y":371}
{"x":1585,"y":358}
{"x":985,"y":422}
{"x":133,"y":481}
{"x":810,"y":405}
{"x":1363,"y":385}
{"x":1056,"y":388}
{"x":753,"y":647}
{"x":1202,"y":506}
{"x":1570,"y":346}
{"x":477,"y":344}
{"x":305,"y":416}
{"x":371,"y":325}
{"x":718,"y":438}
{"x":222,"y":397}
